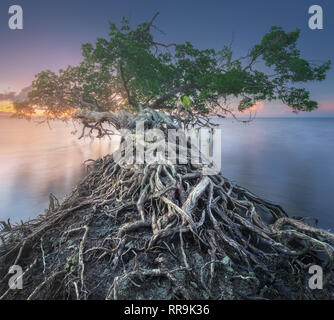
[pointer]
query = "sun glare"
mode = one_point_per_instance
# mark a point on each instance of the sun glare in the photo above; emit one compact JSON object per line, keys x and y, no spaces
{"x":7,"y":106}
{"x":257,"y":107}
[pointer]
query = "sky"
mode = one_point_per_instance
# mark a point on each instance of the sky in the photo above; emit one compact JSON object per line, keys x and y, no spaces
{"x":53,"y":32}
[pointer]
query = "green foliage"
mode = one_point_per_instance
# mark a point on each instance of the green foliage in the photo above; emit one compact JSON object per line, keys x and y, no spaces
{"x":186,"y":102}
{"x":130,"y":69}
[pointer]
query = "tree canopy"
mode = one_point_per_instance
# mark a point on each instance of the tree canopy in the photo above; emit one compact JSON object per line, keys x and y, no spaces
{"x":130,"y":69}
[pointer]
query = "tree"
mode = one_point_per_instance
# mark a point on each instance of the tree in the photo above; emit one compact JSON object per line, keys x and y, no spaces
{"x":131,"y":69}
{"x":193,"y":236}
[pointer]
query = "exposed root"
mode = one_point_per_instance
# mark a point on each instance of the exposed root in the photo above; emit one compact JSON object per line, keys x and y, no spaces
{"x":164,"y":231}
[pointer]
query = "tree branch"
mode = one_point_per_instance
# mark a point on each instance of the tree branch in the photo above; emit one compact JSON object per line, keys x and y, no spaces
{"x":118,"y":119}
{"x":159,"y":101}
{"x":138,"y":35}
{"x":82,"y":101}
{"x":125,"y":85}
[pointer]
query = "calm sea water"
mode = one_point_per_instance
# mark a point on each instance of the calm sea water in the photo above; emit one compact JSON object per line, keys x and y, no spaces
{"x":36,"y":161}
{"x":288,"y":161}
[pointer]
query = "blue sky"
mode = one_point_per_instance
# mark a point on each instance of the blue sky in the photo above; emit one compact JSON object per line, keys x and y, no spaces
{"x":54,"y":31}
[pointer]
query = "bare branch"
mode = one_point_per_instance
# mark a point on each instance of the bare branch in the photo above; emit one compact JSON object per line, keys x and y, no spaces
{"x":125,"y":85}
{"x":138,"y":35}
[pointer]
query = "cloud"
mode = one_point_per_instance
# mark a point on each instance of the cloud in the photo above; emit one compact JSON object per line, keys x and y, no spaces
{"x":15,"y":96}
{"x":7,"y":96}
{"x":7,"y":99}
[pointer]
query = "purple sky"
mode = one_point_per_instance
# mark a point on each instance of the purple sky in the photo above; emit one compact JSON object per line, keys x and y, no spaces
{"x":54,"y":31}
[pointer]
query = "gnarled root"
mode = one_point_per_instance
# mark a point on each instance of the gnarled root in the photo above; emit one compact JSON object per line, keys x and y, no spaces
{"x":164,"y":231}
{"x":171,"y":212}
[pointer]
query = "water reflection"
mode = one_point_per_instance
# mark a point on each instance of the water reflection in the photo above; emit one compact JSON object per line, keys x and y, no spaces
{"x":36,"y":161}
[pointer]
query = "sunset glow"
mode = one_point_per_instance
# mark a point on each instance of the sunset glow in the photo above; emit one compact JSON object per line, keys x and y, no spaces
{"x":257,"y":107}
{"x":7,"y":106}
